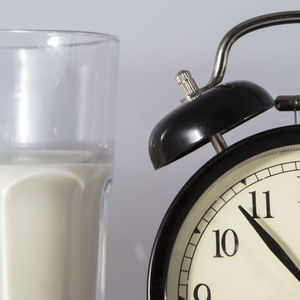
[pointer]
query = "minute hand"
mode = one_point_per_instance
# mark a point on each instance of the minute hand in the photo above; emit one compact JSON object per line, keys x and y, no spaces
{"x":272,"y":245}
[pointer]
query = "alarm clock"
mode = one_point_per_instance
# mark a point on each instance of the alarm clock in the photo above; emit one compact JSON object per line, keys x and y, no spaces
{"x":232,"y":232}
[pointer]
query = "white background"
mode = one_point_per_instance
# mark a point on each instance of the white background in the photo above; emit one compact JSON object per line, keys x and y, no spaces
{"x":158,"y":38}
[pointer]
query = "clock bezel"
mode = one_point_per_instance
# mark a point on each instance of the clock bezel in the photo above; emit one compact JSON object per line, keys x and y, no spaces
{"x":196,"y":186}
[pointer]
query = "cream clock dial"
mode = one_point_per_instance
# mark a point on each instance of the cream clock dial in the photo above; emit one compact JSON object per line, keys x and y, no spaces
{"x":233,"y":230}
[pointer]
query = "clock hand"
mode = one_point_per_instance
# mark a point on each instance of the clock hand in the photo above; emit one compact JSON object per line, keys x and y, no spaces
{"x":272,"y":244}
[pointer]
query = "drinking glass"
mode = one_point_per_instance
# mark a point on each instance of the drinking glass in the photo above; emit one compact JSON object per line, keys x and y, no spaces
{"x":56,"y":157}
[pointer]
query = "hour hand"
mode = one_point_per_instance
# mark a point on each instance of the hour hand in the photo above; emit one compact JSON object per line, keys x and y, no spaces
{"x":272,"y":244}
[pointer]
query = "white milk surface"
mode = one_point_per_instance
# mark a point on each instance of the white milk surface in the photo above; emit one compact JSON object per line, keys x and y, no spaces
{"x":50,"y":227}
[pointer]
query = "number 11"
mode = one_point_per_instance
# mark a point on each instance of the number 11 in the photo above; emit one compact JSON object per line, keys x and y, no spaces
{"x":268,"y":205}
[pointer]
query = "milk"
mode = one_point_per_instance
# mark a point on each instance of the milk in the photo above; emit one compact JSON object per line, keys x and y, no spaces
{"x":50,"y":226}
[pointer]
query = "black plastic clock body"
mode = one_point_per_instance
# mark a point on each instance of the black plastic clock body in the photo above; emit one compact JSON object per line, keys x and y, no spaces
{"x":232,"y":232}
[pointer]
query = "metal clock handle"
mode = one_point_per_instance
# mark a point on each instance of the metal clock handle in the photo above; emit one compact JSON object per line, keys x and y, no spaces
{"x":238,"y":31}
{"x":192,"y":91}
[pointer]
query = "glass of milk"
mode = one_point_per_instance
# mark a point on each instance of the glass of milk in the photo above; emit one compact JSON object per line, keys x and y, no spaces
{"x":57,"y":93}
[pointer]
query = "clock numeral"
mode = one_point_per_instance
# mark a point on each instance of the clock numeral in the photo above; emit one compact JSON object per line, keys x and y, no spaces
{"x":268,"y":205}
{"x":222,"y":245}
{"x":202,"y":290}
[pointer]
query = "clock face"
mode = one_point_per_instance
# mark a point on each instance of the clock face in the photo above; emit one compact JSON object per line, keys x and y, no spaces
{"x":220,"y":254}
{"x":238,"y":238}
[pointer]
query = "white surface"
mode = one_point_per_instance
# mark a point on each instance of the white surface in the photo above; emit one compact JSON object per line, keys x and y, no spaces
{"x":158,"y":38}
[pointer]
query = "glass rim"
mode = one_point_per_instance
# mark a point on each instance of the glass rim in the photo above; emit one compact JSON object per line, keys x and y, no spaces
{"x":102,"y":37}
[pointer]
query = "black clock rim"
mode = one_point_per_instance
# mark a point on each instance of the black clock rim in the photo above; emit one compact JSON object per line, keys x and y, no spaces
{"x":195,"y":187}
